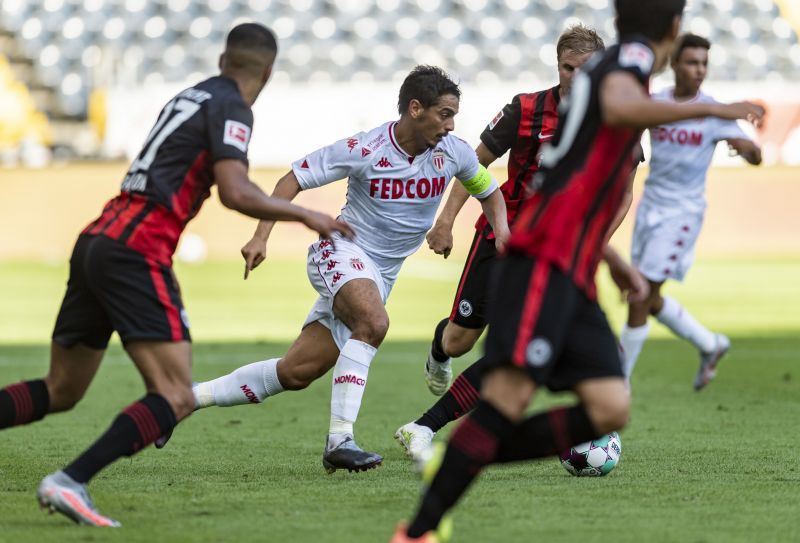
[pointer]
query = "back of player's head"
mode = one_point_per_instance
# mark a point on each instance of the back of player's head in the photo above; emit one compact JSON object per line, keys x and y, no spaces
{"x":426,"y":84}
{"x":580,"y":39}
{"x":652,"y":19}
{"x":686,"y":41}
{"x":250,"y":47}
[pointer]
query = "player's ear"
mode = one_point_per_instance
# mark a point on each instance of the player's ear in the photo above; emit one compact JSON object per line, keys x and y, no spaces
{"x":415,"y":108}
{"x":676,"y":28}
{"x":267,"y":74}
{"x":221,"y":61}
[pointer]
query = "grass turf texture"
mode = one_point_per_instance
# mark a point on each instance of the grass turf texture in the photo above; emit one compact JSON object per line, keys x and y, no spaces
{"x":721,"y":465}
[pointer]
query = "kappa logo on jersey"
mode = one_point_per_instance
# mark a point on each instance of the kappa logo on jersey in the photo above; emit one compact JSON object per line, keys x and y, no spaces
{"x":392,"y":189}
{"x":326,"y":254}
{"x":356,"y":264}
{"x":438,"y":159}
{"x":352,"y":143}
{"x":539,"y":352}
{"x":465,"y":308}
{"x":365,"y":152}
{"x":236,"y":134}
{"x":383,"y":163}
{"x":337,"y":277}
{"x":332,"y":264}
{"x":679,"y":136}
{"x":636,"y":55}
{"x":496,"y":120}
{"x":325,"y":243}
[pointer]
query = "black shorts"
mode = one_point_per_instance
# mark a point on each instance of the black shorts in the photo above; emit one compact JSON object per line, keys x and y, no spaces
{"x":541,"y":321}
{"x":472,"y":296}
{"x":112,"y":287}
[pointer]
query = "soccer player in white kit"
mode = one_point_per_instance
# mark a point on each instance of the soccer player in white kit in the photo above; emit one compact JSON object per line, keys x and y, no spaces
{"x":397,"y":174}
{"x":671,"y":211}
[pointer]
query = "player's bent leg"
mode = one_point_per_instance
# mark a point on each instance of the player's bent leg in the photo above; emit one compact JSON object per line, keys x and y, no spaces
{"x":456,"y":340}
{"x":607,"y":403}
{"x":311,"y":356}
{"x":634,"y":333}
{"x":359,"y":305}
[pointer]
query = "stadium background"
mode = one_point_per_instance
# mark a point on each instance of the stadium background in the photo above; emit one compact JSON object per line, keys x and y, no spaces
{"x":81,"y":82}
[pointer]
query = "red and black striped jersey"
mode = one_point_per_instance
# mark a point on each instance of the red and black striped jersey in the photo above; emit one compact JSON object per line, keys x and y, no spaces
{"x":171,"y":177}
{"x":522,"y":127}
{"x":584,"y":174}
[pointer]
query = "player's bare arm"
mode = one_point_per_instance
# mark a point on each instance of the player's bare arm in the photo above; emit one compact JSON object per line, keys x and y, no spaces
{"x":440,"y":237}
{"x":494,"y":207}
{"x":625,"y":103}
{"x":631,"y":283}
{"x":747,"y":149}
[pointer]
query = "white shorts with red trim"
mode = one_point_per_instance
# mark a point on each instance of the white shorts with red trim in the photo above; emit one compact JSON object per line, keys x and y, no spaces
{"x":329,"y":268}
{"x":663,"y":241}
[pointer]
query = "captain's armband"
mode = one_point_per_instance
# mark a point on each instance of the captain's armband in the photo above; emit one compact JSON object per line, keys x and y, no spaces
{"x":481,"y":185}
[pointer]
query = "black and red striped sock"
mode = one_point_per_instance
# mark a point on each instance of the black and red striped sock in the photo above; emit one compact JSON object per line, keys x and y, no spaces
{"x":547,"y":434}
{"x":472,"y":446}
{"x":459,"y":399}
{"x":135,"y":428}
{"x":437,"y":350}
{"x":23,"y":402}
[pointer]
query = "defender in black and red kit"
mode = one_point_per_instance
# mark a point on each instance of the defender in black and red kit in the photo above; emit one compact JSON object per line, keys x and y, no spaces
{"x":121,"y":275}
{"x":546,"y":328}
{"x":524,"y":126}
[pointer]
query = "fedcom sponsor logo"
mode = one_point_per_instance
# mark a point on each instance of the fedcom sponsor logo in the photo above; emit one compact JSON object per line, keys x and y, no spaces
{"x":393,"y":189}
{"x":351,"y":379}
{"x":251,"y":396}
{"x":679,"y":136}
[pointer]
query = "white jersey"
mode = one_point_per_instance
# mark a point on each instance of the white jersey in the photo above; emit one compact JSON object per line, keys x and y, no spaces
{"x":681,"y":155}
{"x":392,"y":197}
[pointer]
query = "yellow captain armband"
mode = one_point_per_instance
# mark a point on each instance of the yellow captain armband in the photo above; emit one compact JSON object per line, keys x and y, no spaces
{"x":480,"y":182}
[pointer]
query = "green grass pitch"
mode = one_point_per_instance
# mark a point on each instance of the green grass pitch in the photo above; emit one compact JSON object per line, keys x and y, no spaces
{"x":720,"y":465}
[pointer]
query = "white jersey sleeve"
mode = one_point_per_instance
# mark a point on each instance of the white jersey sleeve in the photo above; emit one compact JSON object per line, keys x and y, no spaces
{"x":330,"y":163}
{"x":471,"y":174}
{"x":726,"y":130}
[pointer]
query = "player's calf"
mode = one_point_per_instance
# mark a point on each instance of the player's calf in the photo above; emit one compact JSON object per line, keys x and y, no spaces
{"x":23,"y":403}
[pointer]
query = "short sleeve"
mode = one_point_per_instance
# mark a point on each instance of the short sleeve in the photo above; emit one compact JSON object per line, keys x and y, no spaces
{"x":329,"y":164}
{"x":501,"y":133}
{"x":727,"y":129}
{"x":230,"y":125}
{"x":637,"y":59}
{"x":475,"y":178}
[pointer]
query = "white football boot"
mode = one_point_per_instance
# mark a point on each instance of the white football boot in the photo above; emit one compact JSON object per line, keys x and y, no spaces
{"x":415,"y":440}
{"x":438,"y":375}
{"x":709,"y":361}
{"x":58,"y":492}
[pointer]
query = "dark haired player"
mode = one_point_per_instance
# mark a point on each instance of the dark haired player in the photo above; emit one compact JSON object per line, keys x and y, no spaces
{"x":121,"y":275}
{"x":396,"y":176}
{"x":521,"y":127}
{"x":670,"y":215}
{"x":545,"y":326}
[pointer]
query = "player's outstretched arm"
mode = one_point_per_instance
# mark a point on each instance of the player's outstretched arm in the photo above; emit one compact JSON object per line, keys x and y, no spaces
{"x":624,"y":102}
{"x":495,"y":209}
{"x":747,"y":149}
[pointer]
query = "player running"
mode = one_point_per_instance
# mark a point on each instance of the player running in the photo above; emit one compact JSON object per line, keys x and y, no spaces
{"x":397,"y":174}
{"x":121,"y":274}
{"x":545,"y":325}
{"x":671,"y":212}
{"x":522,"y":127}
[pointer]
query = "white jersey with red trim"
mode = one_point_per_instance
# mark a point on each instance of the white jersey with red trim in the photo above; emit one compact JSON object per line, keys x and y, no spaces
{"x":681,"y":155}
{"x":392,"y":197}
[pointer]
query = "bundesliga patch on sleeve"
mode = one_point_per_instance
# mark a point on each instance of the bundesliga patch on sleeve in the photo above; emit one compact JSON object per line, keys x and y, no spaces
{"x":496,"y":120}
{"x":237,"y":134}
{"x":636,"y":55}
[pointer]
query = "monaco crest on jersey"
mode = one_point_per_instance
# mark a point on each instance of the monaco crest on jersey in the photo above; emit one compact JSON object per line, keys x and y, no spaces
{"x":438,"y":159}
{"x":357,"y":264}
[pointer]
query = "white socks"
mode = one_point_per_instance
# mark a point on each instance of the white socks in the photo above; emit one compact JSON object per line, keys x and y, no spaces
{"x":248,"y":384}
{"x":632,"y":340}
{"x":677,"y":319}
{"x":349,"y":380}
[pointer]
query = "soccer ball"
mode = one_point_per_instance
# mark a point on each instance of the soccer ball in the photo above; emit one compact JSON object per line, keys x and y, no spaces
{"x":593,"y":458}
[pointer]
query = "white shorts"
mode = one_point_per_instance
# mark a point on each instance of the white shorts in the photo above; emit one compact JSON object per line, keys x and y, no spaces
{"x":663,"y":242}
{"x":328,"y":270}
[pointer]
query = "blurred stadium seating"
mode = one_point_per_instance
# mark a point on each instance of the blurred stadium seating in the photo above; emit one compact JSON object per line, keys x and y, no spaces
{"x":66,"y":48}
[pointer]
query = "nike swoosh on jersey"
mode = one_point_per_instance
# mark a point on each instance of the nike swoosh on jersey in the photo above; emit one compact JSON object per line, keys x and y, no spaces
{"x":543,"y":137}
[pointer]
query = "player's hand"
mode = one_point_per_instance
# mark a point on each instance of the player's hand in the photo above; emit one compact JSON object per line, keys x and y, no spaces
{"x":752,"y":113}
{"x":327,"y":225}
{"x":254,"y":253}
{"x":440,"y":239}
{"x":501,"y":240}
{"x":632,"y":284}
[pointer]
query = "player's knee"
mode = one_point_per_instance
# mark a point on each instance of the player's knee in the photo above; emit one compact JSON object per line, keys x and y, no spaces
{"x":63,"y":397}
{"x":611,"y":415}
{"x":373,"y":330}
{"x":182,"y":401}
{"x":457,"y":344}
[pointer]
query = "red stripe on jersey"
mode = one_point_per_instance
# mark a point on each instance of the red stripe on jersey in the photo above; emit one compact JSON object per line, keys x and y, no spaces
{"x":133,"y":205}
{"x":110,"y":212}
{"x":171,"y":312}
{"x":465,"y":273}
{"x":530,"y":311}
